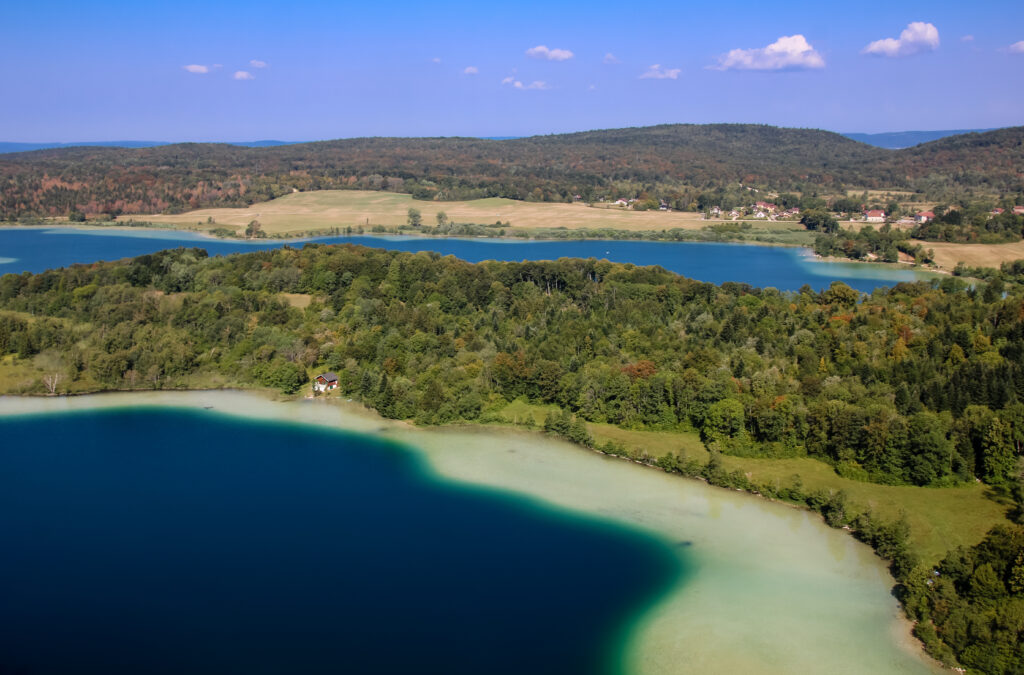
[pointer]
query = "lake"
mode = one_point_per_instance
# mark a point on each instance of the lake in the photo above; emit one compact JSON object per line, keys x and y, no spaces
{"x":181,"y":541}
{"x":148,"y":533}
{"x":784,"y":268}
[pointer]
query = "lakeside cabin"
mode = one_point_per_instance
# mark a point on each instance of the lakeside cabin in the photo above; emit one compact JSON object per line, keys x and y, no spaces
{"x":325,"y":382}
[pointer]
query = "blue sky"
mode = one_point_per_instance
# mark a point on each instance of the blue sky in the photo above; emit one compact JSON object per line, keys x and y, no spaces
{"x":316,"y":70}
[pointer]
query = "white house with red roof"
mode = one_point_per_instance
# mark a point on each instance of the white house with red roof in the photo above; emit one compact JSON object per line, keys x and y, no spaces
{"x":924,"y":216}
{"x":874,"y":216}
{"x":1018,"y":210}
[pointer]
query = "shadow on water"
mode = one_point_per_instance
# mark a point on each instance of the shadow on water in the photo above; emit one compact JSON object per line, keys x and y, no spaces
{"x":189,"y":541}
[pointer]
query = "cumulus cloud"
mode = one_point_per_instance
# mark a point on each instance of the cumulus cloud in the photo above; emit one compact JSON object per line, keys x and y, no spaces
{"x":243,"y":75}
{"x":542,"y":52}
{"x":197,"y":69}
{"x":789,"y":52}
{"x":656,"y":72}
{"x":916,"y":37}
{"x":535,"y":85}
{"x":256,"y":63}
{"x":471,"y":70}
{"x":610,"y":59}
{"x":1016,"y":47}
{"x":967,"y":38}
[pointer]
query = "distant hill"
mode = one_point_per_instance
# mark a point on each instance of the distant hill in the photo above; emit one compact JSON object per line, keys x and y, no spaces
{"x":6,"y":147}
{"x":672,"y":162}
{"x":897,"y":140}
{"x":28,"y":147}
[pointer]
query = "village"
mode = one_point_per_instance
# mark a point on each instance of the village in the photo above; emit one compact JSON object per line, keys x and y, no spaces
{"x":771,"y":212}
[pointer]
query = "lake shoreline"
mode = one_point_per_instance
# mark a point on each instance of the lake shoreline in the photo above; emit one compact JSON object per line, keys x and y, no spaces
{"x":310,"y":235}
{"x":437,"y":445}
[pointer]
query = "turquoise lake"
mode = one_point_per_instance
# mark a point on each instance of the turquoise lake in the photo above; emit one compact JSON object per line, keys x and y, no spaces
{"x":176,"y":541}
{"x":784,"y":268}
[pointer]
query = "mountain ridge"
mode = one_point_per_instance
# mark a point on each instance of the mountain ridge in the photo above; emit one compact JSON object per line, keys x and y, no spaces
{"x":677,"y":161}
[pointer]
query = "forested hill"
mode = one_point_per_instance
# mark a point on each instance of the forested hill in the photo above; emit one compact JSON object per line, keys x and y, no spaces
{"x":674,"y":161}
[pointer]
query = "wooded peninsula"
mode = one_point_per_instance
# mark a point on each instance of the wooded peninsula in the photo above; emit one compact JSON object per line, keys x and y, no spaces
{"x":917,"y":385}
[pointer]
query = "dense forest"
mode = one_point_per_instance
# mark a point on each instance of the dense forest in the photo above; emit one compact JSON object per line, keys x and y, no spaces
{"x":914,"y":385}
{"x":672,"y":162}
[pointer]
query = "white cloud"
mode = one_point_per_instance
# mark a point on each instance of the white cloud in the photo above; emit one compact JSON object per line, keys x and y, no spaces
{"x":916,"y":37}
{"x":967,"y":38}
{"x":197,"y":69}
{"x":243,"y":75}
{"x":256,"y":63}
{"x":656,"y":72}
{"x":1017,"y":47}
{"x":436,"y":59}
{"x":789,"y":52}
{"x":536,"y":85}
{"x":471,"y":70}
{"x":610,"y":59}
{"x":542,"y":52}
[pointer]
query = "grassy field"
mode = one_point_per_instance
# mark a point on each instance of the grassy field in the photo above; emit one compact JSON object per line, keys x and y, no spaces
{"x":940,"y":519}
{"x":320,"y":210}
{"x":947,"y":255}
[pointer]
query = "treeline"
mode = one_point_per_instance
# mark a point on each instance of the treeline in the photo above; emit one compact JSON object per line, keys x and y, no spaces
{"x":973,"y":224}
{"x":883,"y":244}
{"x":917,"y":384}
{"x":673,"y":163}
{"x":970,"y":609}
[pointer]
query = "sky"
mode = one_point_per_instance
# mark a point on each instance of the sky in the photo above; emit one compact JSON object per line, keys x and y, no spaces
{"x":244,"y":71}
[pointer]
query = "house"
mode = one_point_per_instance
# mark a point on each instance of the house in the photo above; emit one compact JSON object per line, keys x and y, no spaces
{"x":996,"y":212}
{"x":621,"y":202}
{"x":766,"y":206}
{"x":715,"y":211}
{"x":1018,"y":210}
{"x":924,"y":217}
{"x":325,"y":382}
{"x":874,"y":216}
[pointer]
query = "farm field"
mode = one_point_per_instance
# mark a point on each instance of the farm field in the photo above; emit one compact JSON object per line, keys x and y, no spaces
{"x":302,"y":212}
{"x":947,"y":255}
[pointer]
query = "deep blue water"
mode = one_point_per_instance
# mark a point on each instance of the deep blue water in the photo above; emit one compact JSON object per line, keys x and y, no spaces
{"x":182,"y":541}
{"x":787,"y":269}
